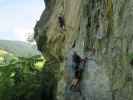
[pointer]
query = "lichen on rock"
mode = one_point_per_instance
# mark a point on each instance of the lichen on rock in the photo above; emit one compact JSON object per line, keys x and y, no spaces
{"x":105,"y":25}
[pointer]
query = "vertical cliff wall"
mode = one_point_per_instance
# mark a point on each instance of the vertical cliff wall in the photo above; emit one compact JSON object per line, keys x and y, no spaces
{"x":105,"y":25}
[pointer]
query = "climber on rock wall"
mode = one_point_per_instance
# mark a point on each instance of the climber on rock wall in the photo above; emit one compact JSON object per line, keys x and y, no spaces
{"x":61,"y":22}
{"x":78,"y":64}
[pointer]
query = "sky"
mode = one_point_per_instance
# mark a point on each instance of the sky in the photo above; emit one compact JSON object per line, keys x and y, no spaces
{"x":18,"y":17}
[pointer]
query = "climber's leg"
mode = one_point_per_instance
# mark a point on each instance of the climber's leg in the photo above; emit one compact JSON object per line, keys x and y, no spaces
{"x":73,"y":84}
{"x":76,"y":82}
{"x":78,"y":77}
{"x":77,"y":85}
{"x":62,"y":28}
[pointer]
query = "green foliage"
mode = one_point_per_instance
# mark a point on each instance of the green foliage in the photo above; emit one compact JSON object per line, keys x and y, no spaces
{"x":19,"y":77}
{"x":49,"y":78}
{"x":130,"y":56}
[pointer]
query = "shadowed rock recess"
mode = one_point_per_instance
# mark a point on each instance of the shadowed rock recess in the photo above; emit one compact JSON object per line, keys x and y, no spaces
{"x":107,"y":26}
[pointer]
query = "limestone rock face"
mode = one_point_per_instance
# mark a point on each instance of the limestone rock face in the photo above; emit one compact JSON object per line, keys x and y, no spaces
{"x":105,"y":25}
